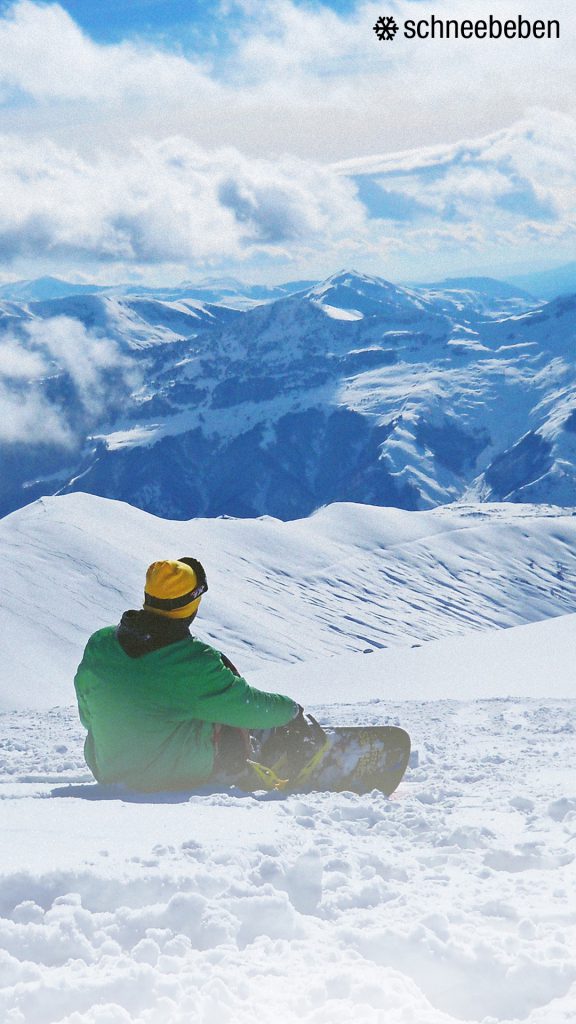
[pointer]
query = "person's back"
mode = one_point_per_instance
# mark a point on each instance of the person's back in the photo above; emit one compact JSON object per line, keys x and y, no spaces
{"x":151,"y":695}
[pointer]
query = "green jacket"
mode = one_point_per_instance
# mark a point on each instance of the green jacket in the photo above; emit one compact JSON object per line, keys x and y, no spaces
{"x":150,"y":719}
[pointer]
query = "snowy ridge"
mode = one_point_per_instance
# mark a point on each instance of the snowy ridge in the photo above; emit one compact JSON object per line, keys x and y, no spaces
{"x":349,"y":579}
{"x":222,"y":290}
{"x":137,"y":323}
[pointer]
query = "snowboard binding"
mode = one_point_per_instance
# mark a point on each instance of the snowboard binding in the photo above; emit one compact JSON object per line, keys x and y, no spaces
{"x":291,"y":753}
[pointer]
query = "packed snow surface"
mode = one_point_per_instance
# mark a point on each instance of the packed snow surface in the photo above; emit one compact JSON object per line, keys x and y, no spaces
{"x":452,"y":901}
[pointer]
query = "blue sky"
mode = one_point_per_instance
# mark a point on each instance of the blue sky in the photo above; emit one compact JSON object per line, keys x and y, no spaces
{"x":188,"y":22}
{"x":274,"y":139}
{"x":191,"y":22}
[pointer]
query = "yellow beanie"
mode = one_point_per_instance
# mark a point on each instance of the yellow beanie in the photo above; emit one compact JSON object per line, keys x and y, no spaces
{"x":174,"y":588}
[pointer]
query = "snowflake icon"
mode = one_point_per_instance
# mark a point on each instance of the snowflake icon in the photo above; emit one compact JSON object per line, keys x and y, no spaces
{"x":386,"y":28}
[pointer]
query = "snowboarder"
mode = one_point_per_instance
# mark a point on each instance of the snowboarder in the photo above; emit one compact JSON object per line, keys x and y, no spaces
{"x":163,"y":710}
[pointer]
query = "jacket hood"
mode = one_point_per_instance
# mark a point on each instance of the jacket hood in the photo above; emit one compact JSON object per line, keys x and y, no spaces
{"x":141,"y":632}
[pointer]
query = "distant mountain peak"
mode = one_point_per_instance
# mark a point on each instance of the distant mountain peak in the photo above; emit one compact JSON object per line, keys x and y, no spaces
{"x":353,"y":278}
{"x":362,"y":295}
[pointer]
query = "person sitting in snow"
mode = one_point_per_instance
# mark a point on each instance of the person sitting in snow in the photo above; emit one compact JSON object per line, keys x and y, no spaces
{"x":163,"y":710}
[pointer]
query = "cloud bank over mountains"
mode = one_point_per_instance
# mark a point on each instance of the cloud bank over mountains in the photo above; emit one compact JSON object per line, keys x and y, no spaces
{"x":507,"y":196}
{"x":166,"y":200}
{"x":151,"y":157}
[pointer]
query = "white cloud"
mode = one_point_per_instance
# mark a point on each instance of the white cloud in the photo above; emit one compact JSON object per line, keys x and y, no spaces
{"x":46,"y":55}
{"x":99,"y":375}
{"x":84,"y":356}
{"x":166,"y":201}
{"x":300,"y":79}
{"x":511,"y":192}
{"x":172,"y":202}
{"x":16,"y":363}
{"x":30,"y":418}
{"x":136,"y":156}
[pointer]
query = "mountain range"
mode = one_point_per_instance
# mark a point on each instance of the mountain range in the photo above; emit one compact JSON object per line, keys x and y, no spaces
{"x":226,"y":290}
{"x":549,"y":284}
{"x":354,"y":389}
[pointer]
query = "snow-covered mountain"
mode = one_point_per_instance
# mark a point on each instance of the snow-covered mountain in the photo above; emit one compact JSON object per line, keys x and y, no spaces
{"x":540,"y":464}
{"x":71,"y":363}
{"x":40,"y":288}
{"x":226,"y":291}
{"x":352,"y":390}
{"x":133,"y":322}
{"x":351,"y":578}
{"x":482,"y":297}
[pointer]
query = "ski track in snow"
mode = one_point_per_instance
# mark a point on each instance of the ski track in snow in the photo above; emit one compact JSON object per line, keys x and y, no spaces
{"x":451,"y":901}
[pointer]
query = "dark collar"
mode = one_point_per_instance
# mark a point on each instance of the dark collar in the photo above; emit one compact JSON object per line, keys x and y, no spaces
{"x":140,"y":632}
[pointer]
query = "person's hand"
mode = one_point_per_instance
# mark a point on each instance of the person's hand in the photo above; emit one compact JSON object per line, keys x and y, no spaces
{"x":298,"y":724}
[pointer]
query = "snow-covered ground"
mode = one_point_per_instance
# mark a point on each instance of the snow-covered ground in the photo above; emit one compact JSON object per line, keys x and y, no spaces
{"x":451,"y":901}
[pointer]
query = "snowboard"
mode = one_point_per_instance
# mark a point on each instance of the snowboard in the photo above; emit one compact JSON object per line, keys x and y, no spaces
{"x":354,"y":758}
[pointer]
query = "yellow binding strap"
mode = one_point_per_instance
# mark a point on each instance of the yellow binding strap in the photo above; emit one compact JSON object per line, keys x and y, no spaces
{"x":268,"y":777}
